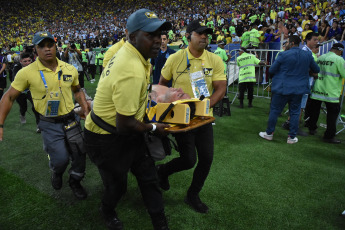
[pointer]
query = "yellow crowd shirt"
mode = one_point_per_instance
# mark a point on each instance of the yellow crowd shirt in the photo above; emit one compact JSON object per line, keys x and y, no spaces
{"x":112,"y":50}
{"x":209,"y":63}
{"x":59,"y":88}
{"x":122,"y":88}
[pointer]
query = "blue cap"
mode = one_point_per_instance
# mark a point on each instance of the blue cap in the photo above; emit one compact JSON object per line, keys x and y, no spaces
{"x":40,"y":36}
{"x":147,"y":21}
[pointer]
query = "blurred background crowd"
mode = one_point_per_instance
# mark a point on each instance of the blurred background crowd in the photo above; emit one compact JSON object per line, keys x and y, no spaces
{"x":102,"y":23}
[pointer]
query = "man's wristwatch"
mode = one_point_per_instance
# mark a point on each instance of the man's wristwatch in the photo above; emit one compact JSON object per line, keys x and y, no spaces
{"x":153,"y":127}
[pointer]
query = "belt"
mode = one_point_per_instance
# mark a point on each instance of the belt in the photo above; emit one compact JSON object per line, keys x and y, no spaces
{"x":59,"y":119}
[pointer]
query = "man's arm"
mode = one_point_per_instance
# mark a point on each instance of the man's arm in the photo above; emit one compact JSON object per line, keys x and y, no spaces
{"x":80,"y":98}
{"x":5,"y":106}
{"x":128,"y":124}
{"x":3,"y":68}
{"x":219,"y":92}
{"x":163,"y":81}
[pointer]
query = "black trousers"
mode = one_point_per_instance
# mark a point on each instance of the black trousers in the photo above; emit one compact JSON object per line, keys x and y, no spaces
{"x":92,"y":70}
{"x":243,"y":87}
{"x":114,"y":155}
{"x":81,"y":78}
{"x":23,"y":106}
{"x":198,"y":141}
{"x":333,"y":110}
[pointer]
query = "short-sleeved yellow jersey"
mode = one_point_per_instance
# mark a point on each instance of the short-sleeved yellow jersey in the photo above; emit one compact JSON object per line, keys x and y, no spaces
{"x":176,"y":69}
{"x":112,"y":50}
{"x":122,"y":88}
{"x":59,"y":85}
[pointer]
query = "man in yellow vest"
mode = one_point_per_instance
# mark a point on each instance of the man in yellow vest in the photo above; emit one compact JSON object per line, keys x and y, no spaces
{"x":327,"y":88}
{"x":246,"y":79}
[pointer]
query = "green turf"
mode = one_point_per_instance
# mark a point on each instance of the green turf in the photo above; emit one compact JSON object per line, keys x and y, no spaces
{"x":253,"y":183}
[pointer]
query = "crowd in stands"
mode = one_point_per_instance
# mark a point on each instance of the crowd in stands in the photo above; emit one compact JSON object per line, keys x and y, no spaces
{"x":102,"y":23}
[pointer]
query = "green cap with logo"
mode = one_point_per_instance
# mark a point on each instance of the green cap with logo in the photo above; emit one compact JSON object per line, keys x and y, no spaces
{"x":147,"y":21}
{"x":40,"y":36}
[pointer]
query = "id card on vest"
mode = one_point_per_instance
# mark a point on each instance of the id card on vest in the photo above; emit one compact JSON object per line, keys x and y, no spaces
{"x":52,"y":108}
{"x":199,"y":85}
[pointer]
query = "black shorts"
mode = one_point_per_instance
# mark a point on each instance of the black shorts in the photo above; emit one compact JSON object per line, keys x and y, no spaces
{"x":3,"y":83}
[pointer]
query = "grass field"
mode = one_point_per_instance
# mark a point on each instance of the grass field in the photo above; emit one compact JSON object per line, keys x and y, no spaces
{"x":253,"y":183}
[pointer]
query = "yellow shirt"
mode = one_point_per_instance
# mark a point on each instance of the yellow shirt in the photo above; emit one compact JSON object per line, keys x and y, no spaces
{"x":122,"y":88}
{"x":273,"y":15}
{"x":30,"y":77}
{"x":112,"y":50}
{"x":209,"y":63}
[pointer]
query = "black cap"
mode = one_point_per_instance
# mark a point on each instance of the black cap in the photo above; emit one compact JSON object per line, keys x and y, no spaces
{"x":222,"y":43}
{"x":196,"y":27}
{"x":338,"y":46}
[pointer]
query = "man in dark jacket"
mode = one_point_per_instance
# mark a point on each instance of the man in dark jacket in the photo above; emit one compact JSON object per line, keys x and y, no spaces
{"x":290,"y":82}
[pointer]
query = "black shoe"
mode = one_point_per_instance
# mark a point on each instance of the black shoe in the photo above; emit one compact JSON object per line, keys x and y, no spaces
{"x":77,"y":189}
{"x":302,"y":133}
{"x":111,"y":220}
{"x":159,"y":221}
{"x":56,"y":180}
{"x":196,"y":203}
{"x":163,"y":180}
{"x":312,"y":131}
{"x":332,"y":140}
{"x":286,"y":125}
{"x":250,"y":105}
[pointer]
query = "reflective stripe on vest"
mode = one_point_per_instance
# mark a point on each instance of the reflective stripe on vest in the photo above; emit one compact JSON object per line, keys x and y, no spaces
{"x":247,"y":66}
{"x":246,"y":78}
{"x":329,"y":73}
{"x":335,"y":99}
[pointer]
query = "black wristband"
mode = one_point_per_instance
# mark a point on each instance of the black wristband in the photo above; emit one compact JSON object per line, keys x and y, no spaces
{"x":1,"y":126}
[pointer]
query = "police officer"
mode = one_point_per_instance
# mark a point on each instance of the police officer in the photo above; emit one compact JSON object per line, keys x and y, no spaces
{"x":114,"y":131}
{"x":327,"y":88}
{"x":197,"y":72}
{"x":247,"y":62}
{"x":51,"y":83}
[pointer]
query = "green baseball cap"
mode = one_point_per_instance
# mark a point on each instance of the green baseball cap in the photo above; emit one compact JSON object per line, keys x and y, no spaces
{"x":147,"y":21}
{"x":40,"y":36}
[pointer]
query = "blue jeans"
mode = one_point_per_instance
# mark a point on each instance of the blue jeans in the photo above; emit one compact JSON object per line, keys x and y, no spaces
{"x":277,"y":105}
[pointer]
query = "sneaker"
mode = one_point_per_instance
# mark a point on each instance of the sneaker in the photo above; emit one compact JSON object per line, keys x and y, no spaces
{"x":111,"y":219}
{"x":266,"y":136}
{"x":56,"y":180}
{"x":163,"y":180}
{"x":195,"y":203}
{"x":292,"y":140}
{"x":22,"y":119}
{"x":92,"y":81}
{"x":77,"y":189}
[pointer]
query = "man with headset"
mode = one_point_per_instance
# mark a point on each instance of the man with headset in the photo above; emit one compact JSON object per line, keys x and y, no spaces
{"x":51,"y":83}
{"x":198,"y":73}
{"x":114,"y":130}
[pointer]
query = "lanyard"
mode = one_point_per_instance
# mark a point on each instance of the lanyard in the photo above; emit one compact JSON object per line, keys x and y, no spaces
{"x":44,"y":82}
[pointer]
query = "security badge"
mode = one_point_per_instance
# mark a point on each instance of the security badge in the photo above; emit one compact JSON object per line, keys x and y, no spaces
{"x":67,"y":78}
{"x":208,"y":72}
{"x":199,"y":85}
